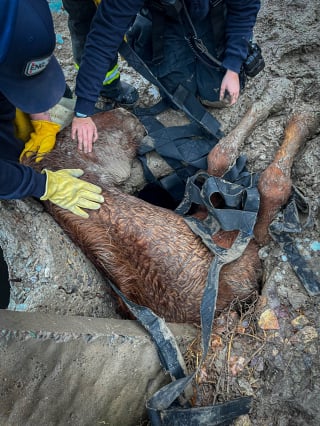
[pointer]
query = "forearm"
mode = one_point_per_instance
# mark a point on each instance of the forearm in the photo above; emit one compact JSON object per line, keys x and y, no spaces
{"x":18,"y":181}
{"x":111,"y":22}
{"x":241,"y":18}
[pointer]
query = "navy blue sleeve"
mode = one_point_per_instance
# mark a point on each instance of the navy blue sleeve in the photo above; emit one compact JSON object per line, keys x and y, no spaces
{"x":241,"y":18}
{"x":16,"y":180}
{"x":112,"y":20}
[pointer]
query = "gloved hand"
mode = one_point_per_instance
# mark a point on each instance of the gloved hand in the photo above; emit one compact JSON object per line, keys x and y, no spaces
{"x":42,"y":139}
{"x":66,"y":191}
{"x":23,"y":126}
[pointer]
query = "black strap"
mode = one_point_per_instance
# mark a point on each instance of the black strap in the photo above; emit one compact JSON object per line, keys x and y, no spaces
{"x":281,"y":230}
{"x":169,"y":405}
{"x":186,"y":144}
{"x":184,"y":148}
{"x":182,"y":98}
{"x":219,"y":414}
{"x":241,"y":204}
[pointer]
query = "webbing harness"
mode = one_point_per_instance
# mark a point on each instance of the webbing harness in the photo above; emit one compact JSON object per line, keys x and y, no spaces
{"x":184,"y":148}
{"x":238,"y":189}
{"x":283,"y":227}
{"x":182,"y":98}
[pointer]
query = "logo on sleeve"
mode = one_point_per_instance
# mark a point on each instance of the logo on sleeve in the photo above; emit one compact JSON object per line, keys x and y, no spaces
{"x":36,"y":66}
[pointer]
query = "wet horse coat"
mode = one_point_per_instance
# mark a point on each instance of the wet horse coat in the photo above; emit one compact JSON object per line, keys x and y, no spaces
{"x":148,"y":252}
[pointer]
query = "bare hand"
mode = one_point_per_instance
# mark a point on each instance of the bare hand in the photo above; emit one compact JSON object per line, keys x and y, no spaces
{"x":85,"y":131}
{"x":230,"y":86}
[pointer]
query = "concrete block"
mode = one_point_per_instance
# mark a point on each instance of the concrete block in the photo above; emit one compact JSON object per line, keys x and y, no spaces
{"x":82,"y":371}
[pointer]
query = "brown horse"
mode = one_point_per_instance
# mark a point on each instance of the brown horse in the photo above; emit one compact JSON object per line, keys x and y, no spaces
{"x":149,"y":252}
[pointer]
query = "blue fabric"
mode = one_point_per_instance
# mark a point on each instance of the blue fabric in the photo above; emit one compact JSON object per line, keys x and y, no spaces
{"x":16,"y":180}
{"x":198,"y":8}
{"x":181,"y":66}
{"x":28,"y":67}
{"x":241,"y":18}
{"x":7,"y":17}
{"x":80,"y":16}
{"x":114,"y":17}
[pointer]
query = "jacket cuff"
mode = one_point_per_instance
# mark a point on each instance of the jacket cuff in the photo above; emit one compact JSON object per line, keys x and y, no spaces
{"x":233,"y":63}
{"x":84,"y":106}
{"x":40,"y":185}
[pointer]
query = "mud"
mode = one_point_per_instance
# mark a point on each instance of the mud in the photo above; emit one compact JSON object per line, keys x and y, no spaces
{"x":278,"y":366}
{"x":268,"y":349}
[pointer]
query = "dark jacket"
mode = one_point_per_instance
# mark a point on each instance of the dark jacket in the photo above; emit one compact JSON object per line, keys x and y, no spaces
{"x":16,"y":181}
{"x":113,"y":19}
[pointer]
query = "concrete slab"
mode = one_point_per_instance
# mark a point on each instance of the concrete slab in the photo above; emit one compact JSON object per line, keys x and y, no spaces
{"x":80,"y":371}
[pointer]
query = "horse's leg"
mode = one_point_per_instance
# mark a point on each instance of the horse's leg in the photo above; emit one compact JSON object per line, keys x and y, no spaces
{"x":275,"y":182}
{"x":224,"y":154}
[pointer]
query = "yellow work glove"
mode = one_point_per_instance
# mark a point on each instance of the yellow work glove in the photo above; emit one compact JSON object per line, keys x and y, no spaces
{"x":42,"y":139}
{"x":23,"y":126}
{"x":64,"y":189}
{"x":97,"y":2}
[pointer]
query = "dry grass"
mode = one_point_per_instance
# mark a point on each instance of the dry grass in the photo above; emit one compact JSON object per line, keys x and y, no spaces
{"x":231,"y":360}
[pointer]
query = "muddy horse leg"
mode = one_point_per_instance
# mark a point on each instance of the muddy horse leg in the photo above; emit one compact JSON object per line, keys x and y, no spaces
{"x":275,"y":182}
{"x":224,"y":154}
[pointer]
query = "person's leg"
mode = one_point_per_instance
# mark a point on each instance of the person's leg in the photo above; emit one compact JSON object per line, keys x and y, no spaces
{"x":122,"y":93}
{"x":178,"y":65}
{"x":208,"y":84}
{"x":80,"y":15}
{"x":209,"y":78}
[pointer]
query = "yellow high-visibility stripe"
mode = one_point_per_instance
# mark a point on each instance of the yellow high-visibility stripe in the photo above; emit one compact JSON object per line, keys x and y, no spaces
{"x":110,"y":75}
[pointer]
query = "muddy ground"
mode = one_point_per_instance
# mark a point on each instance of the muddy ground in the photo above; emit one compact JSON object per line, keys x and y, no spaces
{"x":279,"y":363}
{"x":269,"y":348}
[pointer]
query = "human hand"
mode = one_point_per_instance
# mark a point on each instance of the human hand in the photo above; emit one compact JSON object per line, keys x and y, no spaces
{"x":64,"y":189}
{"x":230,"y":86}
{"x":85,"y":131}
{"x":42,"y":140}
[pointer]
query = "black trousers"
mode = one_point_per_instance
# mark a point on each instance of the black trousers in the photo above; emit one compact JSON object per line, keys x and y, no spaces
{"x":179,"y":65}
{"x":80,"y":15}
